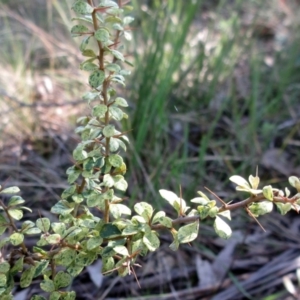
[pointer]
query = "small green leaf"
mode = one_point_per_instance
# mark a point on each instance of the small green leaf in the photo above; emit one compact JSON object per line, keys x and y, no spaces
{"x":16,"y":238}
{"x":166,"y":221}
{"x":102,"y":35}
{"x":84,"y":43}
{"x":117,"y":55}
{"x":55,"y":296}
{"x":69,"y":296}
{"x":116,"y":113}
{"x":3,"y":280}
{"x":178,"y":203}
{"x":59,"y":228}
{"x":15,"y":200}
{"x":99,"y":110}
{"x":188,"y":233}
{"x":94,"y":242}
{"x":120,"y":183}
{"x":89,"y":66}
{"x":107,"y":264}
{"x":96,"y":79}
{"x":78,"y":30}
{"x":117,"y":26}
{"x":65,"y":256}
{"x":79,"y":153}
{"x":268,"y":192}
{"x":225,"y":214}
{"x":144,"y":209}
{"x":295,"y":182}
{"x":222,"y":228}
{"x":62,"y":279}
{"x":113,"y":68}
{"x":89,"y":53}
{"x":175,"y":244}
{"x":82,"y":8}
{"x":121,"y":102}
{"x":109,"y":130}
{"x":110,"y":231}
{"x":47,"y":285}
{"x":283,"y":207}
{"x":108,"y":180}
{"x":254,"y":181}
{"x":18,"y":266}
{"x":3,"y":229}
{"x":3,"y":221}
{"x":37,"y":297}
{"x":40,"y":267}
{"x":27,"y":225}
{"x":151,"y":240}
{"x":261,"y":208}
{"x":4,"y":241}
{"x":33,"y":230}
{"x":115,"y":160}
{"x":52,"y":239}
{"x":61,"y":208}
{"x":121,"y":250}
{"x":27,"y":276}
{"x":130,"y":230}
{"x":240,"y":181}
{"x":10,"y":190}
{"x":4,"y":267}
{"x":127,"y":20}
{"x":118,"y":209}
{"x":157,"y":216}
{"x":43,"y":224}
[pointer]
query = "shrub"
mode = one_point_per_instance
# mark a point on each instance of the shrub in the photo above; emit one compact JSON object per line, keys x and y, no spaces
{"x":97,"y":184}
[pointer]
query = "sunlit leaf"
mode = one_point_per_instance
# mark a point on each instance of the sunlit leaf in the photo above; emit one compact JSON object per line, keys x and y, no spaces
{"x":188,"y":233}
{"x":261,"y":208}
{"x":222,"y":229}
{"x":99,"y":110}
{"x":151,"y":240}
{"x":268,"y":192}
{"x":10,"y":190}
{"x":16,"y":238}
{"x":283,"y":207}
{"x":43,"y":224}
{"x":15,"y":200}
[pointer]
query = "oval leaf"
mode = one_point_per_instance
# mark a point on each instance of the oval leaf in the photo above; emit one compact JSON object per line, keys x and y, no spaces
{"x":102,"y":35}
{"x":268,"y":192}
{"x":82,"y":8}
{"x":62,"y":279}
{"x":188,"y":233}
{"x":96,"y":78}
{"x":222,"y":228}
{"x":10,"y":190}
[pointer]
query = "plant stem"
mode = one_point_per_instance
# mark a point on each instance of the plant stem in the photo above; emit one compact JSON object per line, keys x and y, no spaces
{"x":234,"y":206}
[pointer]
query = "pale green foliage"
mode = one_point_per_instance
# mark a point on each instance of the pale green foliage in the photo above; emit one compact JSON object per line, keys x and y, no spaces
{"x":97,"y":180}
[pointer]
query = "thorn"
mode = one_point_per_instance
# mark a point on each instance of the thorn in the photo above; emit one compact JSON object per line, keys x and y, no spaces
{"x":134,"y":274}
{"x":251,"y":215}
{"x":218,"y":198}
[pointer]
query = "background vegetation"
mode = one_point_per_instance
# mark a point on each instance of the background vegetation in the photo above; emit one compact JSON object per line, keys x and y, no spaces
{"x":214,"y":92}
